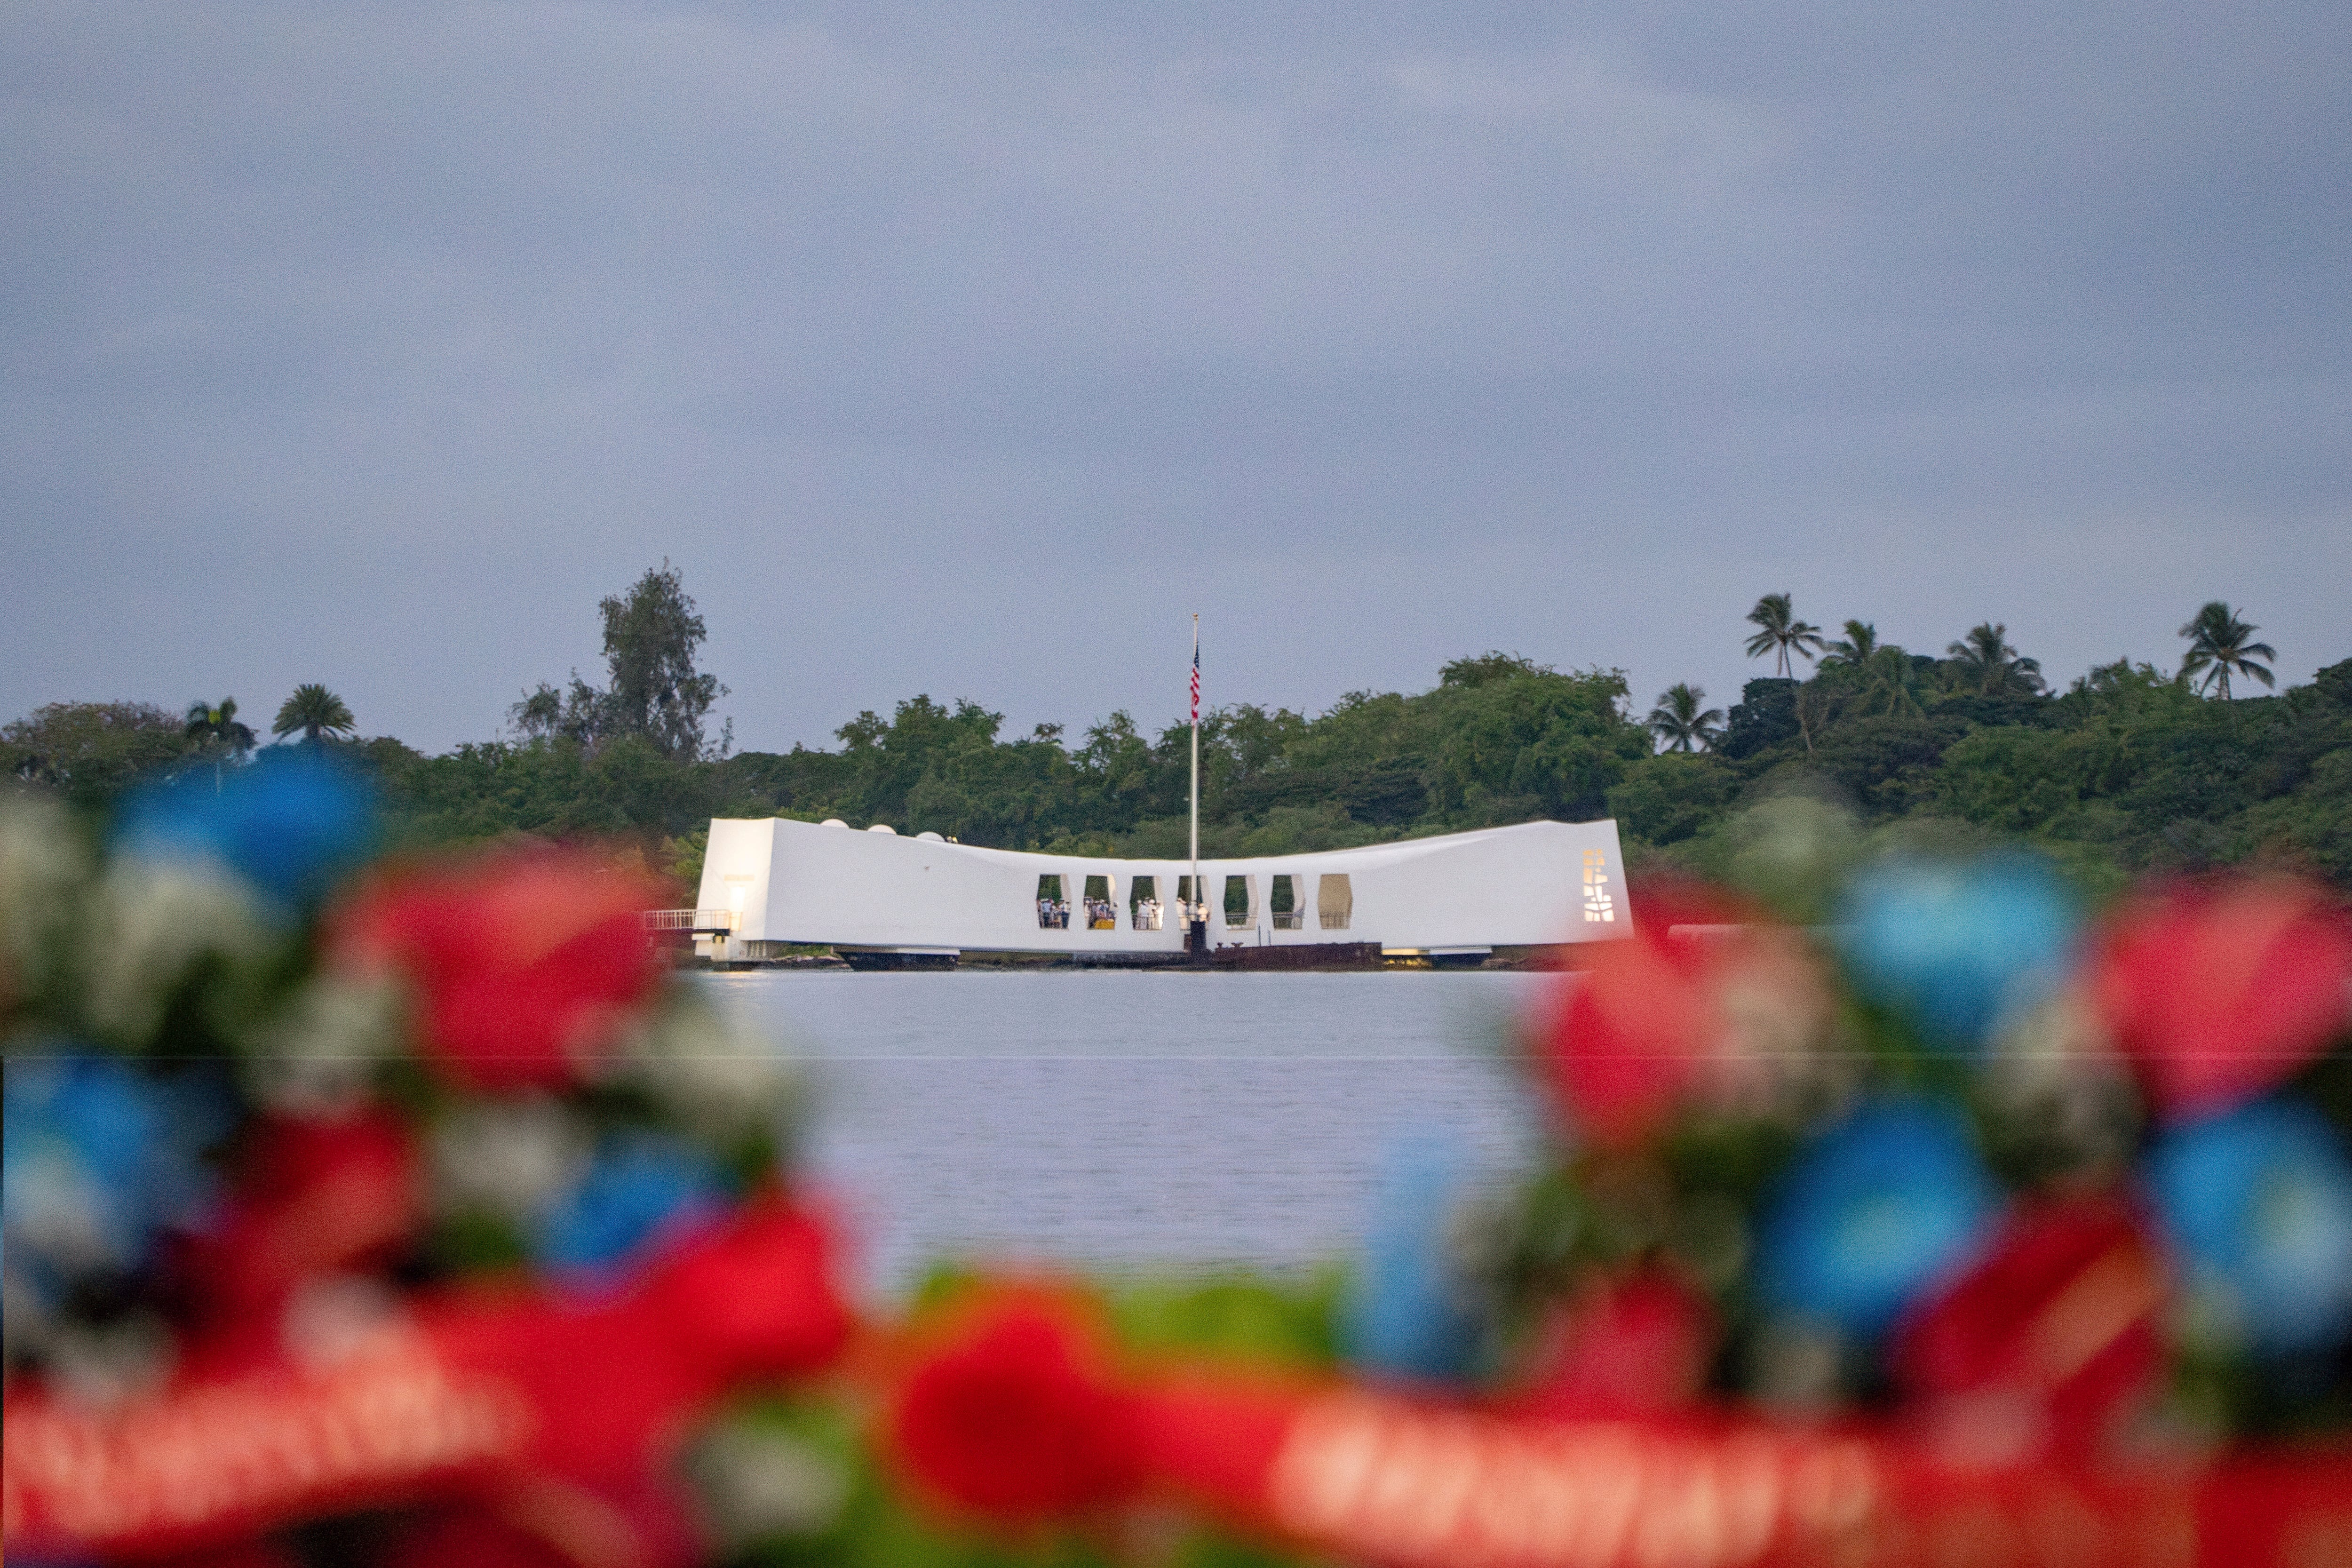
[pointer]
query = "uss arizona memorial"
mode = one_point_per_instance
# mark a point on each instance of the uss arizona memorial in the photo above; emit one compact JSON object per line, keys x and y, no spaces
{"x":883,"y":900}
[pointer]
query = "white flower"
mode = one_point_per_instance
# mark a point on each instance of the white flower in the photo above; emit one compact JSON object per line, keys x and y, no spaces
{"x":154,"y":923}
{"x":101,"y":1368}
{"x":55,"y":1214}
{"x":43,"y":865}
{"x":314,"y":1056}
{"x":758,"y":1482}
{"x":2057,"y":1079}
{"x":512,"y":1157}
{"x":719,"y":1079}
{"x":338,"y":1319}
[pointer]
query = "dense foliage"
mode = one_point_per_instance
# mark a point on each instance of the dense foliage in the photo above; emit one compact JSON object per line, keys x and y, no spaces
{"x":2130,"y":769}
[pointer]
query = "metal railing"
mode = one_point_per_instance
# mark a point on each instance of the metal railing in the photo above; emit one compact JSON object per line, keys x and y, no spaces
{"x":1335,"y":920}
{"x":1289,"y":920}
{"x":690,"y":920}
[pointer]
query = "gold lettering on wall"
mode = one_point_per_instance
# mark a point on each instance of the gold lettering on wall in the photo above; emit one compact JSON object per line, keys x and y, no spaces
{"x":1599,"y":904}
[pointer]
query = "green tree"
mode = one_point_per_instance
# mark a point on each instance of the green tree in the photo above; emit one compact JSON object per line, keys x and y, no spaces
{"x":1781,"y":632}
{"x":2221,"y":644}
{"x":1884,"y":762}
{"x":584,"y":715}
{"x":217,"y":733}
{"x":1855,"y":649}
{"x":92,"y":752}
{"x":1984,"y":662}
{"x":1670,"y":797}
{"x":1115,"y":769}
{"x":2017,"y":779}
{"x":316,"y":713}
{"x":651,"y":637}
{"x":539,"y":715}
{"x":1890,"y":683}
{"x":215,"y":725}
{"x":1492,"y":665}
{"x":929,"y":767}
{"x":1528,"y":746}
{"x":1679,"y":723}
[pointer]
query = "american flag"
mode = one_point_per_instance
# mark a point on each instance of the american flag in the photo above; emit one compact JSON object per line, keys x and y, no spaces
{"x":1196,"y":681}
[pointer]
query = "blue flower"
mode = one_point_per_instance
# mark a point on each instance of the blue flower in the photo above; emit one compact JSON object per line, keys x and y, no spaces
{"x":290,"y":824}
{"x":2257,"y":1201}
{"x":96,"y":1157}
{"x":1873,"y":1215}
{"x":637,"y":1186}
{"x":1954,"y":948}
{"x":1411,"y":1314}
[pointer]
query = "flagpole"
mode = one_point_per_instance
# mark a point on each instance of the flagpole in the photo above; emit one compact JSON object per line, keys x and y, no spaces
{"x":1200,"y":894}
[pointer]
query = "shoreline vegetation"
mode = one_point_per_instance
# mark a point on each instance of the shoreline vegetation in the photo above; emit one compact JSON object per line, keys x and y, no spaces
{"x":2130,"y":769}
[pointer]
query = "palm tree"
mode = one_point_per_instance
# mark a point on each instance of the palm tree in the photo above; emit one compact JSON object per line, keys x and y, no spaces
{"x":215,"y":730}
{"x":1860,"y":642}
{"x":212,"y":725}
{"x":1678,"y":722}
{"x":1985,"y":662}
{"x":1781,"y":630}
{"x":315,"y":711}
{"x":2218,"y":645}
{"x":1812,"y":711}
{"x":1889,"y":680}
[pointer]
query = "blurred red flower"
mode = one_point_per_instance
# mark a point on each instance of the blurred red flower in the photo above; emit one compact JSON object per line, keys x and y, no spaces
{"x":761,"y":1291}
{"x":1013,"y":1421}
{"x":312,"y":1196}
{"x":616,"y":1378}
{"x":1632,"y":1347}
{"x":2045,"y":1340}
{"x":520,"y":964}
{"x":2219,"y":991}
{"x":1703,"y":998}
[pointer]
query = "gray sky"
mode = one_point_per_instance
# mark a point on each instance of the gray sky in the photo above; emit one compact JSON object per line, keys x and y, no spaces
{"x":967,"y":349}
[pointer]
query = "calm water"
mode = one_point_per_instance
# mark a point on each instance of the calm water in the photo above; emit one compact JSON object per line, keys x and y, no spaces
{"x":1124,"y":1118}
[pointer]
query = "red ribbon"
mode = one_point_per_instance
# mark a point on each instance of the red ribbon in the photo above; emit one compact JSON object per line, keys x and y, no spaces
{"x":515,"y":1396}
{"x":1387,"y":1479}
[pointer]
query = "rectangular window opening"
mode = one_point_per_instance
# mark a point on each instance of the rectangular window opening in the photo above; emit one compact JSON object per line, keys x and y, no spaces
{"x":1239,"y":907}
{"x":1335,"y":900}
{"x":1102,"y":912}
{"x":1143,"y":903}
{"x":1053,"y":903}
{"x":1282,"y":898}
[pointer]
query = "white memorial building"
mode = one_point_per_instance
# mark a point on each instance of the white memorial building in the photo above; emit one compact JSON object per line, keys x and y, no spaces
{"x":887,"y":898}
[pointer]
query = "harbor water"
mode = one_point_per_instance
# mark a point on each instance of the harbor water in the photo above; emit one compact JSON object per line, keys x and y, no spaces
{"x":1123,"y":1119}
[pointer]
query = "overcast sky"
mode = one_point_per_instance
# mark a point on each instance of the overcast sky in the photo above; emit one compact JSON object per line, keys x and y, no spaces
{"x":968,"y":349}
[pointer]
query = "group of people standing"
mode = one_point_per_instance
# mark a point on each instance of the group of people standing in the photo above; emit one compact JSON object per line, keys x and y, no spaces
{"x":1102,"y":914}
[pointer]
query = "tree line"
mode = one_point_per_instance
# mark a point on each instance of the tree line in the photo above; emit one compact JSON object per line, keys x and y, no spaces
{"x":2129,"y":768}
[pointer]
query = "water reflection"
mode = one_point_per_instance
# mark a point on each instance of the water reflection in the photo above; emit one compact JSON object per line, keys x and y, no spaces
{"x":1134,"y":1119}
